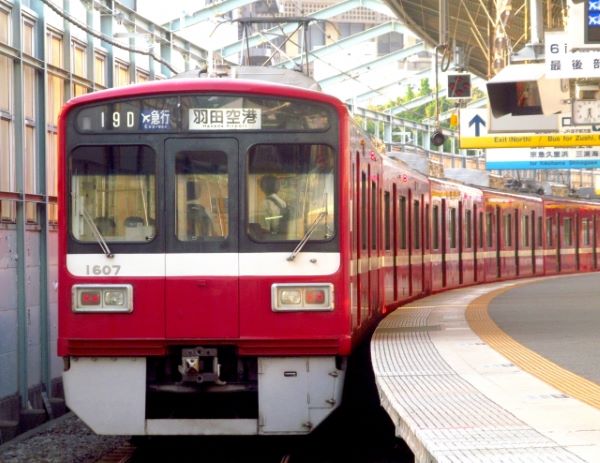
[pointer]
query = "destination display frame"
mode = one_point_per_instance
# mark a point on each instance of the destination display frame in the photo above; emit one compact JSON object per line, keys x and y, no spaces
{"x":203,"y":112}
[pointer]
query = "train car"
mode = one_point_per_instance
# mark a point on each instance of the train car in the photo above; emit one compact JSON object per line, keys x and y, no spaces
{"x":513,"y":235}
{"x":206,"y":256}
{"x":225,"y":245}
{"x":571,"y":234}
{"x":456,"y":217}
{"x":407,"y":204}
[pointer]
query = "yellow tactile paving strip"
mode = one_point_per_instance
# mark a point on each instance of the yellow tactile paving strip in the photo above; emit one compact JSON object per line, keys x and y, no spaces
{"x":565,"y":381}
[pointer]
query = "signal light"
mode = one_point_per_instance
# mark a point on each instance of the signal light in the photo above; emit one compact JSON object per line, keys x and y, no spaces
{"x":438,"y":138}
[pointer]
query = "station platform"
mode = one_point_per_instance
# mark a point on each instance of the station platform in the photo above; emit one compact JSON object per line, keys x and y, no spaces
{"x":460,"y":377}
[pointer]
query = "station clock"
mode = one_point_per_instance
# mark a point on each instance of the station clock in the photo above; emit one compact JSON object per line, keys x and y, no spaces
{"x":585,"y":112}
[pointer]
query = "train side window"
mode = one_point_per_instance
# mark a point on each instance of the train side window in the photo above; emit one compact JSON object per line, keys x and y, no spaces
{"x":489,"y":230}
{"x":417,"y":224}
{"x":480,"y":224}
{"x":363,"y":211}
{"x":468,"y":229}
{"x":402,"y":229}
{"x":508,"y":229}
{"x":539,"y":231}
{"x":452,"y":227}
{"x":549,"y":225}
{"x":387,"y":221}
{"x":374,"y":215}
{"x":525,"y":231}
{"x":585,"y":227}
{"x":436,"y":226}
{"x":567,"y":232}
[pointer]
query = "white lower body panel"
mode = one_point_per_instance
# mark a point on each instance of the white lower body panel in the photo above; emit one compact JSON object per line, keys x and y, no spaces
{"x":295,"y":394}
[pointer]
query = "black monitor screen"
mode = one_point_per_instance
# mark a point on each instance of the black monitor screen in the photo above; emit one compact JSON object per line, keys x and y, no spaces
{"x":592,"y":21}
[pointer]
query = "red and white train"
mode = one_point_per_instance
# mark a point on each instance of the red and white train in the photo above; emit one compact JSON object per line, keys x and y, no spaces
{"x":225,"y":245}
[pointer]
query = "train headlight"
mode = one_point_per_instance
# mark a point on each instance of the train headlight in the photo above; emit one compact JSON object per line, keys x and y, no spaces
{"x":300,"y":297}
{"x":102,"y":298}
{"x":290,"y":297}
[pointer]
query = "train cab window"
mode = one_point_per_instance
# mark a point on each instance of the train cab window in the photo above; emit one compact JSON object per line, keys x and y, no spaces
{"x":402,"y":229}
{"x":567,"y":232}
{"x":452,"y":227}
{"x":387,"y":220}
{"x":436,"y":226}
{"x":508,"y":229}
{"x":549,"y":234}
{"x":417,"y":224}
{"x":201,"y":195}
{"x":290,"y":190}
{"x":468,"y":229}
{"x":113,"y":193}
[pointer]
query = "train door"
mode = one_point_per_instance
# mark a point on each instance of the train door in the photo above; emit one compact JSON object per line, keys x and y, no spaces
{"x":461,"y":236}
{"x":363,"y":260}
{"x":374,"y":261}
{"x":498,"y":228}
{"x":552,"y":253}
{"x":595,"y":240}
{"x":532,"y":242}
{"x":427,"y":280}
{"x":476,"y":225}
{"x":558,"y":242}
{"x":577,"y":218}
{"x":444,"y":237}
{"x":517,"y":240}
{"x":356,"y":191}
{"x":410,"y":232}
{"x":202,"y":266}
{"x":416,"y":261}
{"x":387,"y":271}
{"x":403,"y":257}
{"x":395,"y":243}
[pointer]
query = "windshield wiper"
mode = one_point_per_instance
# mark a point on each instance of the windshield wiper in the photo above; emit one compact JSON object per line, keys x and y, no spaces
{"x":97,"y":235}
{"x":307,"y":235}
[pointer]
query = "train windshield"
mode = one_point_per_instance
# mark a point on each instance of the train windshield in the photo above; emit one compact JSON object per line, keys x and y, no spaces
{"x":290,"y":191}
{"x":113,"y":193}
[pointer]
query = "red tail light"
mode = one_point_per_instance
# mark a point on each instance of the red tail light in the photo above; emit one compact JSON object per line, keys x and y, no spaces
{"x":315,"y":296}
{"x":90,"y":298}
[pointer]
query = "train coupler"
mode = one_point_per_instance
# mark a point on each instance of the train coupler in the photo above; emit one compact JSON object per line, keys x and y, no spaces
{"x":200,"y":365}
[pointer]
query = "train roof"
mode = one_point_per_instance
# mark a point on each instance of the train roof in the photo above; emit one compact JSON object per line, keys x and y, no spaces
{"x":206,"y":85}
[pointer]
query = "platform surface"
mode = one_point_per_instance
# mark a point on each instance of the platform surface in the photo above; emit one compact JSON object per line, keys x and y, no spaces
{"x":461,"y":389}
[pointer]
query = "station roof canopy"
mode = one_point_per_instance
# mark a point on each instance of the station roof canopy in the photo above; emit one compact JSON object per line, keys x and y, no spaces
{"x":484,"y":29}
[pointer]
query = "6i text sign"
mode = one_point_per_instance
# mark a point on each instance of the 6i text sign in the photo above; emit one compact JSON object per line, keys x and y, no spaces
{"x":561,"y":63}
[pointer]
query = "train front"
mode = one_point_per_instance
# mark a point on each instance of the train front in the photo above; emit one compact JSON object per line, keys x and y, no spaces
{"x":202,"y":285}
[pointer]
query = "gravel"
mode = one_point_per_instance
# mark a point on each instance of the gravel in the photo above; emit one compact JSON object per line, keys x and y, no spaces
{"x":63,"y":440}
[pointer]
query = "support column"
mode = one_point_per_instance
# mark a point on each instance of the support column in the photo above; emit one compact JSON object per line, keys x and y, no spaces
{"x":19,"y":124}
